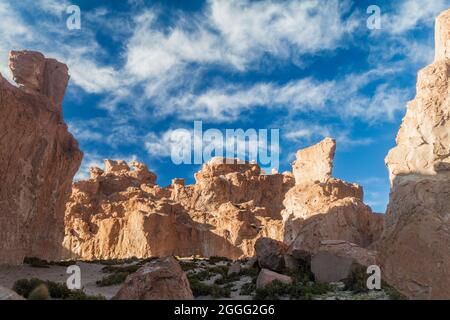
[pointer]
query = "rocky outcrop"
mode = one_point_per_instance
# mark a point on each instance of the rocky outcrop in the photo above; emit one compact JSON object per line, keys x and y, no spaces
{"x":315,"y":163}
{"x":38,"y":158}
{"x":120,"y":212}
{"x":270,"y":254}
{"x":414,"y":251}
{"x":320,"y":207}
{"x":160,"y":279}
{"x":220,"y":181}
{"x":335,"y":260}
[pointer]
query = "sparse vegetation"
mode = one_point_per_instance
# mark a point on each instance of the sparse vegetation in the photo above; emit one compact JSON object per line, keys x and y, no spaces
{"x":28,"y":288}
{"x":302,"y":287}
{"x":202,"y":289}
{"x":248,"y":289}
{"x":216,"y":259}
{"x":112,"y":279}
{"x":357,"y":281}
{"x":36,"y":262}
{"x":39,"y":293}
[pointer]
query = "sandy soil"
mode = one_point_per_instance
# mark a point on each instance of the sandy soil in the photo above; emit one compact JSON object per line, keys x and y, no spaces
{"x":90,"y":273}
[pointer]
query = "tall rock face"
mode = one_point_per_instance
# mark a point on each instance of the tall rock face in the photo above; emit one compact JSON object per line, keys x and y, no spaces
{"x":320,"y":207}
{"x":120,"y":212}
{"x":415,"y":248}
{"x":38,"y":158}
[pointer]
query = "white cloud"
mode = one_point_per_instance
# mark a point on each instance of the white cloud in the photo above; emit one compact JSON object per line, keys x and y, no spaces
{"x":410,"y":13}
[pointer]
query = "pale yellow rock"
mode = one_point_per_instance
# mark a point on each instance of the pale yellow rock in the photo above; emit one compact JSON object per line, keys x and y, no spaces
{"x":414,"y":251}
{"x":314,"y":163}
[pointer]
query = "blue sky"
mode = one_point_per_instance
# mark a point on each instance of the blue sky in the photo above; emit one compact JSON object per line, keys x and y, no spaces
{"x":141,"y":69}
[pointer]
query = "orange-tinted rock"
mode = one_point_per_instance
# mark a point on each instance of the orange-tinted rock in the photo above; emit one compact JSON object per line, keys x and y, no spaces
{"x":326,"y":208}
{"x":38,"y":159}
{"x":120,"y":214}
{"x":160,"y":279}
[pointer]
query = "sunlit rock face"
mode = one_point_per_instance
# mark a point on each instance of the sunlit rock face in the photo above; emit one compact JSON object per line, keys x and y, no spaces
{"x":38,"y":158}
{"x":415,"y":248}
{"x":120,"y":212}
{"x":320,"y":207}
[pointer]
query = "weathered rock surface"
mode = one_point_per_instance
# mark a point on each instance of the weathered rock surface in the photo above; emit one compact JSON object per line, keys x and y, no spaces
{"x":315,"y":163}
{"x":120,"y":212}
{"x":38,"y":158}
{"x":267,"y":276}
{"x":414,"y":251}
{"x":326,"y":208}
{"x":7,"y":294}
{"x":160,"y":279}
{"x":335,"y":260}
{"x":270,"y":254}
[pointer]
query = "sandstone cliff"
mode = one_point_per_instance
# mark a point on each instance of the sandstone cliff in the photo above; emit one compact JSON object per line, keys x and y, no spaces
{"x":120,"y":212}
{"x":38,"y":158}
{"x":415,"y":249}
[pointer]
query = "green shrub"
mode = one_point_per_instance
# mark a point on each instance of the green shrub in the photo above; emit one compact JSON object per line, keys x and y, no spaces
{"x":271,"y":291}
{"x":297,"y":289}
{"x":36,"y":262}
{"x":115,"y":269}
{"x":26,"y":287}
{"x":216,"y":259}
{"x":81,"y":295}
{"x":112,"y":279}
{"x":39,"y":293}
{"x":202,"y":289}
{"x":186,"y":265}
{"x":248,"y":289}
{"x":251,"y":272}
{"x":357,"y":281}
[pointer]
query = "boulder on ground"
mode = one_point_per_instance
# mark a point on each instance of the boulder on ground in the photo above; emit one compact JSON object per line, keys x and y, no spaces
{"x":335,"y":260}
{"x":270,"y":253}
{"x":267,"y":276}
{"x":160,"y":279}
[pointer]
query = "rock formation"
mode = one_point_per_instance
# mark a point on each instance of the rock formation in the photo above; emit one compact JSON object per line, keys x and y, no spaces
{"x":160,"y":279}
{"x":315,"y":163}
{"x":270,"y":254}
{"x":38,"y":158}
{"x":415,"y":248}
{"x":266,"y":276}
{"x":120,"y":213}
{"x":335,"y":260}
{"x":320,"y":207}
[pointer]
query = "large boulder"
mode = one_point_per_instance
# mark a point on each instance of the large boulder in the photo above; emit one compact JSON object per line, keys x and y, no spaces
{"x":266,"y":276}
{"x":414,"y":251}
{"x":270,"y":253}
{"x":160,"y":279}
{"x":335,"y":260}
{"x":38,"y":158}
